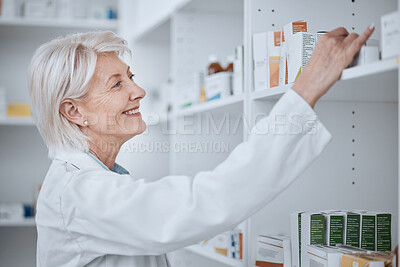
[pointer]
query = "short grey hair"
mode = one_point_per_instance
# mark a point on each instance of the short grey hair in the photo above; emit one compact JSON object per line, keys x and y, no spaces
{"x":60,"y":69}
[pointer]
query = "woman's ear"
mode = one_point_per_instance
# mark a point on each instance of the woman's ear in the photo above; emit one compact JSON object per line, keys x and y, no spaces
{"x":69,"y":109}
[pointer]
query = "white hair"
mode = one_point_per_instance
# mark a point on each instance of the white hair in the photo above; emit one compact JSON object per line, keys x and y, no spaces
{"x":60,"y":69}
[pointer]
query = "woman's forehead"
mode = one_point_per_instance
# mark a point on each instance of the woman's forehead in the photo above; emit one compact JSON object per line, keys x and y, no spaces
{"x":110,"y":63}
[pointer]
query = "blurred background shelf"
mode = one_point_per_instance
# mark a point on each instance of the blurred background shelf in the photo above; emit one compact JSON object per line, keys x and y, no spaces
{"x":211,"y":105}
{"x":25,"y":222}
{"x":61,"y":23}
{"x":198,"y":249}
{"x":17,"y":121}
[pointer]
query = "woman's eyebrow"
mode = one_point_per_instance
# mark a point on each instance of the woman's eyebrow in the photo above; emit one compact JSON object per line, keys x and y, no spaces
{"x":112,"y":76}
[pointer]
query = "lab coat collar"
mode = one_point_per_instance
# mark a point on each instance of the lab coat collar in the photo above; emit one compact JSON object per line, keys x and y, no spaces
{"x":77,"y":158}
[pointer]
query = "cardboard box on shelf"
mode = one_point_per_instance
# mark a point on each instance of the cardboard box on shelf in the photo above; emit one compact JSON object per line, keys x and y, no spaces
{"x":218,"y":85}
{"x":390,"y":34}
{"x":19,"y":110}
{"x":335,"y":226}
{"x":295,"y":230}
{"x":238,"y":71}
{"x":300,"y":48}
{"x":260,"y":61}
{"x":273,"y":52}
{"x":273,"y":250}
{"x":312,"y":231}
{"x":288,"y":31}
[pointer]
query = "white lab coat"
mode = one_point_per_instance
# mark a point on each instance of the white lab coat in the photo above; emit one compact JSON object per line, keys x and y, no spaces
{"x":88,"y":216}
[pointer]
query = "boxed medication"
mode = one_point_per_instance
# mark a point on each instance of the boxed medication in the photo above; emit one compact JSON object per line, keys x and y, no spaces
{"x":18,"y":110}
{"x":218,"y":85}
{"x":288,"y":31}
{"x":260,"y":61}
{"x":390,"y":34}
{"x":383,"y":231}
{"x":334,"y":228}
{"x":273,"y":250}
{"x":312,"y":231}
{"x":238,"y":71}
{"x":369,"y":52}
{"x":12,"y":211}
{"x":352,"y":229}
{"x":361,"y":260}
{"x":295,"y":232}
{"x":368,"y":231}
{"x":322,"y":256}
{"x":273,"y":52}
{"x":300,"y":48}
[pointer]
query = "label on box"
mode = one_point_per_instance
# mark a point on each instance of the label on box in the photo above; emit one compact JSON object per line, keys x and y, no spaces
{"x":353,"y":230}
{"x":335,"y":230}
{"x":317,"y":230}
{"x":383,"y":232}
{"x":368,"y":232}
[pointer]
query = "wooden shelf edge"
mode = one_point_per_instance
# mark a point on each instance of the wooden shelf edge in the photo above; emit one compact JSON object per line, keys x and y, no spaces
{"x":199,"y":250}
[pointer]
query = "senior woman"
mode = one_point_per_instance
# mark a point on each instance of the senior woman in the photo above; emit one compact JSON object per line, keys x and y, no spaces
{"x":91,"y":212}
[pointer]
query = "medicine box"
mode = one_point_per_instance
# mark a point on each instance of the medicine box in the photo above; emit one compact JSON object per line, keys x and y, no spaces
{"x":368,"y":228}
{"x":369,"y":52}
{"x":260,"y":61}
{"x":322,"y":256}
{"x":273,"y":250}
{"x":300,"y":49}
{"x":238,"y":70}
{"x":334,"y":228}
{"x":295,"y":230}
{"x":218,"y":85}
{"x":273,"y":52}
{"x":312,"y":231}
{"x":390,"y":35}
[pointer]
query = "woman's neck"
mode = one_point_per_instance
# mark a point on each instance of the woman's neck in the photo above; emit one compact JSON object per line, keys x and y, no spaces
{"x":106,"y":152}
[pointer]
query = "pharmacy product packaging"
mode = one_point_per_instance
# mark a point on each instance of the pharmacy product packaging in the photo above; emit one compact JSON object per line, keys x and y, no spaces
{"x":238,"y":73}
{"x":221,"y":243}
{"x":273,"y":52}
{"x":273,"y":250}
{"x":9,"y":9}
{"x":3,"y":102}
{"x":318,"y":35}
{"x":368,"y":231}
{"x":288,"y":31}
{"x":19,"y":110}
{"x":300,"y":48}
{"x":368,"y":53}
{"x":295,"y":233}
{"x":390,"y":35}
{"x":383,"y":236}
{"x":40,"y":9}
{"x":312,"y":231}
{"x":322,"y":256}
{"x":352,"y":229}
{"x":236,"y":245}
{"x":12,"y":211}
{"x":260,"y":61}
{"x":335,"y":228}
{"x":360,"y":260}
{"x":218,"y":85}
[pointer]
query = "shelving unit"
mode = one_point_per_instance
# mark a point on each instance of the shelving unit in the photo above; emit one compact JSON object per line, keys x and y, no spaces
{"x":61,"y":23}
{"x":211,"y":105}
{"x":200,"y":250}
{"x":25,"y":222}
{"x":16,"y":121}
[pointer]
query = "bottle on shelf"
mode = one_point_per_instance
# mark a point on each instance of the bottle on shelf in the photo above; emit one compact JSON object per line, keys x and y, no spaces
{"x":230,"y":60}
{"x":214,"y":66}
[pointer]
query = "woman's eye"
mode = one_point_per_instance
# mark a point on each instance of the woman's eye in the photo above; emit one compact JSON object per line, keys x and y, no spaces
{"x":132,"y":76}
{"x":117,"y":84}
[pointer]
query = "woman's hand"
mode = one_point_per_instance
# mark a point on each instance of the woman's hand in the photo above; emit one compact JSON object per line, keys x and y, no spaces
{"x":334,"y":51}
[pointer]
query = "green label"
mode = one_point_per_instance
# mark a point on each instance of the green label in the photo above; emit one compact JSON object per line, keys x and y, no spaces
{"x":335,"y":230}
{"x":383,"y":232}
{"x":317,"y":230}
{"x":368,"y":232}
{"x":353,"y":230}
{"x":299,"y":220}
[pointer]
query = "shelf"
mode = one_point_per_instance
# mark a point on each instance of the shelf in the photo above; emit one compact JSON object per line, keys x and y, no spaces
{"x":25,"y":222}
{"x":366,"y":70}
{"x":17,"y":121}
{"x":61,"y":23}
{"x":208,"y":253}
{"x":211,"y":105}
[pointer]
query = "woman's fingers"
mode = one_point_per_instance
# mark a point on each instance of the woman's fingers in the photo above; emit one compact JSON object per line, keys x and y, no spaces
{"x":358,"y":42}
{"x":341,"y":31}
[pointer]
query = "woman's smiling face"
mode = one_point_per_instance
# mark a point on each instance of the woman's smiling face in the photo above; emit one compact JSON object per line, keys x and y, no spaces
{"x":111,"y":106}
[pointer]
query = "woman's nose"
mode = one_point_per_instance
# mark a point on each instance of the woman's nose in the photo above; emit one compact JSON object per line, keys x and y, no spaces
{"x":137,"y":93}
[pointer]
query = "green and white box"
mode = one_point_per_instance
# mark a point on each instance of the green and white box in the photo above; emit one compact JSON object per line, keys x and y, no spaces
{"x":368,"y":231}
{"x":312,"y":231}
{"x":335,"y":228}
{"x":383,"y":231}
{"x":352,"y":229}
{"x":295,"y":230}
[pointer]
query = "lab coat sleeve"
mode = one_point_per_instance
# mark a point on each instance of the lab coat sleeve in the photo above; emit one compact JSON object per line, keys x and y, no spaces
{"x":115,"y":215}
